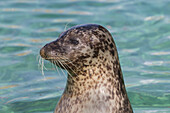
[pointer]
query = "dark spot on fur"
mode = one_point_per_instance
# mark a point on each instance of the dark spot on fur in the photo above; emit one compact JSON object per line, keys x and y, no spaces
{"x":85,"y":65}
{"x":103,"y":49}
{"x":108,"y":67}
{"x":84,"y":57}
{"x":85,"y":71}
{"x":112,"y":52}
{"x":106,"y":48}
{"x":77,"y":79}
{"x":95,"y":33}
{"x":111,"y":45}
{"x":74,"y":41}
{"x":95,"y":53}
{"x":106,"y":43}
{"x":103,"y":35}
{"x":101,"y":28}
{"x":108,"y":98}
{"x":108,"y":40}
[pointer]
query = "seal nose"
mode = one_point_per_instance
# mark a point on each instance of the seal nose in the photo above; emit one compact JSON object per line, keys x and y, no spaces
{"x":42,"y":52}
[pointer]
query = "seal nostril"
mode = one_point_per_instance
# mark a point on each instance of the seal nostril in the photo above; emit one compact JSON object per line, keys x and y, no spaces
{"x":42,"y":52}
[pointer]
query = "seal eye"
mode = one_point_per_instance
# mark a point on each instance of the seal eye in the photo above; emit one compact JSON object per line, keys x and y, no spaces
{"x":74,"y":41}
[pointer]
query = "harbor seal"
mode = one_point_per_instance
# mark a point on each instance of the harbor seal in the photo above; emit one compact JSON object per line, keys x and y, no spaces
{"x":95,"y":82}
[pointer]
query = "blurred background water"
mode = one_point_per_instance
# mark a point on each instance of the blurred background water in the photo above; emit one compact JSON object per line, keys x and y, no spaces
{"x":141,"y":30}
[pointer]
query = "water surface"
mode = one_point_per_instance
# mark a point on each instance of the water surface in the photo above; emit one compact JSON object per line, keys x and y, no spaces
{"x":141,"y":30}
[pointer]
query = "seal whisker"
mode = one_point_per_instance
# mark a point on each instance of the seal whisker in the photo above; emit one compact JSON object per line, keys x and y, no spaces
{"x":44,"y":65}
{"x":69,"y":61}
{"x":70,"y":68}
{"x":38,"y":57}
{"x":65,"y":59}
{"x":42,"y":68}
{"x":61,"y":63}
{"x":66,"y":70}
{"x":66,"y":26}
{"x":52,"y":65}
{"x":58,"y":63}
{"x":39,"y":62}
{"x":56,"y":68}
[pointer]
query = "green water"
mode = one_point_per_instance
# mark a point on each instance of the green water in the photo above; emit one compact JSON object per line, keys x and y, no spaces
{"x":141,"y":30}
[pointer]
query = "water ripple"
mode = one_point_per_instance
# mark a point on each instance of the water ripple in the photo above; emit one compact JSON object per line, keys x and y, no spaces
{"x":140,"y":29}
{"x":160,"y":53}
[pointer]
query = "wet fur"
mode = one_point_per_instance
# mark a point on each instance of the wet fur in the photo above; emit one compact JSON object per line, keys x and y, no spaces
{"x":95,"y":83}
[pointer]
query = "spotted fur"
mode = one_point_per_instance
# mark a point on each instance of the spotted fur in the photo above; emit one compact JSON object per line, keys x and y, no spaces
{"x":96,"y":83}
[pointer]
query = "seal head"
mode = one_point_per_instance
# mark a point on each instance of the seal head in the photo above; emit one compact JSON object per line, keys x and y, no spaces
{"x":80,"y":45}
{"x":95,"y":81}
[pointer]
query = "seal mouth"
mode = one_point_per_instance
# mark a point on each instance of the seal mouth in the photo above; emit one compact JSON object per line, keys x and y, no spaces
{"x":57,"y":59}
{"x":54,"y":58}
{"x":49,"y":55}
{"x":61,"y":62}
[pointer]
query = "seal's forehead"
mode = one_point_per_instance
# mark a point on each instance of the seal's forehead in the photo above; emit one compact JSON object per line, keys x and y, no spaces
{"x":78,"y":28}
{"x":86,"y":26}
{"x":83,"y":30}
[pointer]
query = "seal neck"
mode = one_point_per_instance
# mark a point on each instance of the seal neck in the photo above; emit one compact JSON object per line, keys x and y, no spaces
{"x":106,"y":76}
{"x":100,"y":85}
